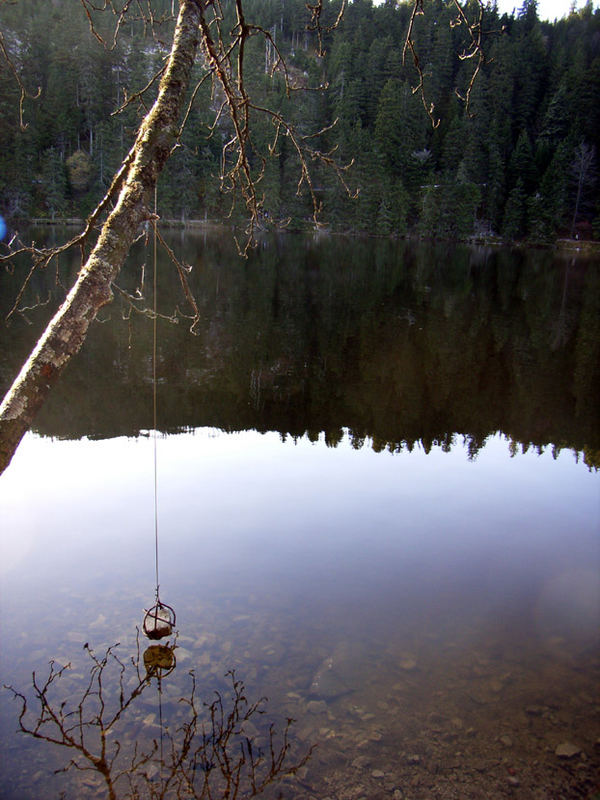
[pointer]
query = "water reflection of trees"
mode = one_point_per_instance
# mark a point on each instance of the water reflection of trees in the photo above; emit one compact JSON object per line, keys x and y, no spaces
{"x":399,"y":344}
{"x":222,"y":749}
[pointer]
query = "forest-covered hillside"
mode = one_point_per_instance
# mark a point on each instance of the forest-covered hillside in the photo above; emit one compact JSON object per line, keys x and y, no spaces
{"x":520,"y":162}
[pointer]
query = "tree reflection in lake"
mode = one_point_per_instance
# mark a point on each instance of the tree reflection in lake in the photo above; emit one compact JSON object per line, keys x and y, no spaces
{"x":204,"y":750}
{"x":398,"y":343}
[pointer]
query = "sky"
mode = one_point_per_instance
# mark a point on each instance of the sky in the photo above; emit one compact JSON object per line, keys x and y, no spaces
{"x":547,"y":9}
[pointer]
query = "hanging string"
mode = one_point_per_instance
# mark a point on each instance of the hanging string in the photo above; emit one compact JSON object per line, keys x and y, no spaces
{"x":160,"y":619}
{"x":160,"y":715}
{"x":154,"y":404}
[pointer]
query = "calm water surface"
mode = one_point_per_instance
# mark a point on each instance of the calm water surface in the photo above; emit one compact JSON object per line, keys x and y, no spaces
{"x":378,"y":502}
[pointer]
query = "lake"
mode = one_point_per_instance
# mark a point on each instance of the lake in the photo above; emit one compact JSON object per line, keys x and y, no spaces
{"x":378,"y":503}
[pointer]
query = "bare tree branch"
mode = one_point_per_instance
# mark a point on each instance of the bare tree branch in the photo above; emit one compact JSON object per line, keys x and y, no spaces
{"x":24,"y":94}
{"x":126,"y":202}
{"x":472,"y":50}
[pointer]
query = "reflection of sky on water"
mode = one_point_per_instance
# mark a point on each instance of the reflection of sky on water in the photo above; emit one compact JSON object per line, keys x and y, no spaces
{"x":317,"y":526}
{"x":277,"y":555}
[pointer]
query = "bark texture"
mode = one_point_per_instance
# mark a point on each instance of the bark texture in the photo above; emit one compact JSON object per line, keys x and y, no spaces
{"x":66,"y":332}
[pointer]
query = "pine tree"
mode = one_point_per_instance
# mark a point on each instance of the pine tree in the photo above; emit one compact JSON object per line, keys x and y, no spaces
{"x":54,"y":182}
{"x":513,"y":226}
{"x":522,"y":165}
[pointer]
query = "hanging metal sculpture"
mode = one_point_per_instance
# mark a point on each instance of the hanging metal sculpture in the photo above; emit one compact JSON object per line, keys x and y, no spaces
{"x":159,"y":621}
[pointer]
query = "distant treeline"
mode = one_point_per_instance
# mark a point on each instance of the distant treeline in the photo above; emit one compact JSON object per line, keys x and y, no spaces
{"x":520,"y":162}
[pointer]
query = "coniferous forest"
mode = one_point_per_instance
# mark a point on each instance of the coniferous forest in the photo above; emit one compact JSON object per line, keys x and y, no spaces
{"x":520,"y":161}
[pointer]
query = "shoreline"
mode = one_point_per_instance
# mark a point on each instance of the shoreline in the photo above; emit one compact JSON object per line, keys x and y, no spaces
{"x":585,"y":246}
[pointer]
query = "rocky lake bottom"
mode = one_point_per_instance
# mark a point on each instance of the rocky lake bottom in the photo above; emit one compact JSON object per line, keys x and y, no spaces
{"x":479,"y":709}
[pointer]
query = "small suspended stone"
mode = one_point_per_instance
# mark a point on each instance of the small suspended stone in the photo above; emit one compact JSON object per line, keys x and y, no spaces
{"x":159,"y":621}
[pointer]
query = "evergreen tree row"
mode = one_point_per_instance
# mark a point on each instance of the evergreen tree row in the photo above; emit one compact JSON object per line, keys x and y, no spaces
{"x":521,"y":161}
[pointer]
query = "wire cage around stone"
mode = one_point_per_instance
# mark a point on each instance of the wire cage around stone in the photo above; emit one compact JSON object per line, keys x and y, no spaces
{"x":159,"y":621}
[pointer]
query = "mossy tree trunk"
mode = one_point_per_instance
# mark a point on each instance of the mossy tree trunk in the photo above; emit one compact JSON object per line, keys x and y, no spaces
{"x":67,"y":330}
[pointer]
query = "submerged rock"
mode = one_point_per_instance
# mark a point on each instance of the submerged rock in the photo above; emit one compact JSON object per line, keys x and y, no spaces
{"x":408,"y":663}
{"x":327,"y":683}
{"x":567,"y":750}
